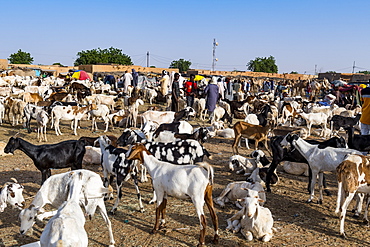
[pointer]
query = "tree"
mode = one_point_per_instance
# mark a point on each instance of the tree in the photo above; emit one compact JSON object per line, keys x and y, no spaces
{"x":366,"y":72}
{"x":95,"y":56}
{"x":181,"y":64}
{"x":61,"y":65}
{"x":265,"y":64}
{"x":294,"y":72}
{"x":20,"y":57}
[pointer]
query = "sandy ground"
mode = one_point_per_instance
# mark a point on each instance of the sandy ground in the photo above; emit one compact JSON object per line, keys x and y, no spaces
{"x":296,"y":222}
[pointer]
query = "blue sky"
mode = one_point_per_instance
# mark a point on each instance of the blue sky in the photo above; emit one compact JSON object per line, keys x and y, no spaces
{"x":301,"y":35}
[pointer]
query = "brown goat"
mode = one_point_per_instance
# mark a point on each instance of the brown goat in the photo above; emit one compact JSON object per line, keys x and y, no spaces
{"x":250,"y":131}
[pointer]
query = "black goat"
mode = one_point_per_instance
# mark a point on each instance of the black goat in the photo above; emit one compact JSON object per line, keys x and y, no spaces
{"x":280,"y":154}
{"x":184,"y":114}
{"x":358,"y":142}
{"x":236,"y":106}
{"x":338,"y":121}
{"x":60,"y":155}
{"x":262,"y":116}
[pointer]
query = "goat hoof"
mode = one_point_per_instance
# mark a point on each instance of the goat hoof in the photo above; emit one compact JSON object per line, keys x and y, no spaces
{"x":343,"y":235}
{"x":154,"y":231}
{"x":309,"y":201}
{"x":319,"y":202}
{"x":356,"y":216}
{"x":327,"y":192}
{"x":142,"y":210}
{"x":215,"y":239}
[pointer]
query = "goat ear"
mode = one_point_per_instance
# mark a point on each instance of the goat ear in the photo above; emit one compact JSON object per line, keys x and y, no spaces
{"x":244,"y":189}
{"x":260,"y":200}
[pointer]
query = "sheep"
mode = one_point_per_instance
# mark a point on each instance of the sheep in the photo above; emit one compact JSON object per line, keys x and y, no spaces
{"x":255,"y":221}
{"x":236,"y":190}
{"x":11,"y":194}
{"x":42,"y":119}
{"x":55,"y":192}
{"x":319,"y":160}
{"x":66,"y":227}
{"x":194,"y":181}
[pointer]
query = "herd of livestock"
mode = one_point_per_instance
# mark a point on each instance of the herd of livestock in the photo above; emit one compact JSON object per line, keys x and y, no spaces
{"x":165,"y":145}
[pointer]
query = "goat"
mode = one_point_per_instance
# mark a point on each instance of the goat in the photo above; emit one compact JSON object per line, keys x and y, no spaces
{"x":250,"y":131}
{"x":280,"y":154}
{"x":42,"y":119}
{"x":47,"y":156}
{"x":55,"y":192}
{"x":66,"y":227}
{"x":220,"y":114}
{"x":130,"y":136}
{"x":201,"y":135}
{"x":194,"y":181}
{"x":74,"y":113}
{"x":296,"y":168}
{"x":133,"y":111}
{"x":247,"y":165}
{"x":353,"y":177}
{"x":92,"y":156}
{"x":11,"y":194}
{"x":318,"y":118}
{"x":99,"y":111}
{"x":115,"y":164}
{"x":30,"y":112}
{"x":181,"y":127}
{"x":159,"y":116}
{"x":358,"y":142}
{"x":319,"y":160}
{"x":90,"y":141}
{"x":236,"y":190}
{"x":255,"y":221}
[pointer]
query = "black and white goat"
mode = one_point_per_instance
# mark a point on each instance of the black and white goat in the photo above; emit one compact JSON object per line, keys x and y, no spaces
{"x":30,"y":112}
{"x":50,"y":156}
{"x":319,"y":160}
{"x":116,"y":165}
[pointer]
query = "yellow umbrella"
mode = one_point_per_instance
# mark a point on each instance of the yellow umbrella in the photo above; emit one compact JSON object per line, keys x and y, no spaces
{"x":198,"y":78}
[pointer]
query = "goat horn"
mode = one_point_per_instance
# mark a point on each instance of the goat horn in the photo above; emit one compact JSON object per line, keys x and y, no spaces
{"x":16,"y":134}
{"x":14,"y":180}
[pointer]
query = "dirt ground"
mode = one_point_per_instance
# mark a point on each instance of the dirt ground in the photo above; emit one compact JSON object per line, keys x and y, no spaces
{"x":297,"y":223}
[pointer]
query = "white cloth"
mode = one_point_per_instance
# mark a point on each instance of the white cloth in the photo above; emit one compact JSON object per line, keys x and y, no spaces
{"x":128,"y":78}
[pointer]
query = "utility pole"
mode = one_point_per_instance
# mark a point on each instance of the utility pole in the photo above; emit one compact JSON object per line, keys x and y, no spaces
{"x":147,"y":59}
{"x":214,"y":59}
{"x":315,"y":69}
{"x":353,"y":68}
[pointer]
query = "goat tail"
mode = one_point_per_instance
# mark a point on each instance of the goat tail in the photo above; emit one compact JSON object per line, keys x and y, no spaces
{"x":206,"y":153}
{"x":209,"y":169}
{"x":60,"y":243}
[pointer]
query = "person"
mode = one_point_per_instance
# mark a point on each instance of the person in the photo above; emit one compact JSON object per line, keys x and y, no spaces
{"x":175,"y":94}
{"x":365,"y":116}
{"x":221,"y":88}
{"x":127,"y":81}
{"x":111,"y":80}
{"x":164,"y":82}
{"x":135,"y":77}
{"x":211,"y":92}
{"x":190,"y":88}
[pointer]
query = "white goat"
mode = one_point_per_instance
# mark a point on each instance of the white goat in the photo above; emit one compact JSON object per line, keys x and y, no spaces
{"x":255,"y":221}
{"x":194,"y":181}
{"x":92,"y":156}
{"x":236,"y":190}
{"x":318,"y":118}
{"x":319,"y":160}
{"x":66,"y":227}
{"x":247,"y":164}
{"x":159,"y":116}
{"x":295,"y":168}
{"x":133,"y":111}
{"x":99,"y":111}
{"x":55,"y":191}
{"x":42,"y":119}
{"x":200,"y":108}
{"x":11,"y":194}
{"x":74,"y":113}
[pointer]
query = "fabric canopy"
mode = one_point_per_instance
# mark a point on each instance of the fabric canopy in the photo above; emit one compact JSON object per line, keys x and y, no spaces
{"x":81,"y":75}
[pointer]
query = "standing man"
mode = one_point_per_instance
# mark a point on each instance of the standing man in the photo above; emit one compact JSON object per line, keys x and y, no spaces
{"x":128,"y":78}
{"x":211,"y":92}
{"x":175,"y":93}
{"x":365,"y":116}
{"x":190,"y":90}
{"x":164,"y":82}
{"x":135,"y":77}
